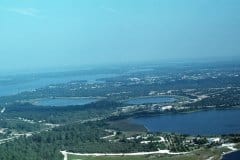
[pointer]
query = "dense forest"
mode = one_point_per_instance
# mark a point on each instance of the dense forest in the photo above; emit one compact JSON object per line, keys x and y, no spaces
{"x":63,"y":114}
{"x":75,"y":137}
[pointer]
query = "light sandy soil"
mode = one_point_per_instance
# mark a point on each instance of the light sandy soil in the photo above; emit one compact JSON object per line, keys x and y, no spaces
{"x":65,"y":153}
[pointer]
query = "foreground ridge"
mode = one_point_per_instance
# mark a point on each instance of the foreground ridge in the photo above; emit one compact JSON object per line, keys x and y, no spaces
{"x":65,"y":153}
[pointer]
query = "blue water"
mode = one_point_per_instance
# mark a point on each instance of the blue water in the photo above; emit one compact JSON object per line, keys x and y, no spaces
{"x":232,"y":156}
{"x":212,"y":122}
{"x":64,"y":101}
{"x":145,"y":100}
{"x":11,"y":89}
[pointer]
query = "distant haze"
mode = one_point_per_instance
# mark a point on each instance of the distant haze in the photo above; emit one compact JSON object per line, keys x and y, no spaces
{"x":57,"y":33}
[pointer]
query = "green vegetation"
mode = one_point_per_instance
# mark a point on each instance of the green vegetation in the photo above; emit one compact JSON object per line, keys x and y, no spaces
{"x":201,"y":154}
{"x":30,"y":132}
{"x":74,"y":137}
{"x":125,"y":125}
{"x":58,"y":115}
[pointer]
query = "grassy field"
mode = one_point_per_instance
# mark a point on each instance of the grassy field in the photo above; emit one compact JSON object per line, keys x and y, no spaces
{"x":126,"y":125}
{"x":202,"y":154}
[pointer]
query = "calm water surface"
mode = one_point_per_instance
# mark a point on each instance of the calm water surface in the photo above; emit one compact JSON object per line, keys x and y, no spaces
{"x":11,"y":89}
{"x":212,"y":122}
{"x":232,"y":156}
{"x":64,"y":101}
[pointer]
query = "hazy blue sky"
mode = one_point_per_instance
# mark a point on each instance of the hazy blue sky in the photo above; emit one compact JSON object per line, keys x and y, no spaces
{"x":50,"y":33}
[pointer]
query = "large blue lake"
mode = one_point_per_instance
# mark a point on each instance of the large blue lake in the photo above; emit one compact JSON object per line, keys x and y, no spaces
{"x":15,"y":88}
{"x":232,"y":156}
{"x":145,"y":100}
{"x":212,"y":122}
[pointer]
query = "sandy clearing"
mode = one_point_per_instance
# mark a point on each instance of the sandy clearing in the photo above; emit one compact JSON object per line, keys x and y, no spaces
{"x":65,"y":153}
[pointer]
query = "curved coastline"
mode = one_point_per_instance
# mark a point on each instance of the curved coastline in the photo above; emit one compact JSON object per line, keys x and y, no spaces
{"x":150,"y":122}
{"x":227,"y":153}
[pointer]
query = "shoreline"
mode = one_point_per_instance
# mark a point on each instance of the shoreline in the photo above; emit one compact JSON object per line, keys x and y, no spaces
{"x":154,"y":114}
{"x":231,"y":147}
{"x":223,"y":154}
{"x":150,"y":115}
